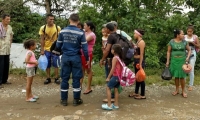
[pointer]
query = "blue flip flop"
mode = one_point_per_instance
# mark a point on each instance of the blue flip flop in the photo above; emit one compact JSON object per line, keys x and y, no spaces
{"x":115,"y":107}
{"x":31,"y":100}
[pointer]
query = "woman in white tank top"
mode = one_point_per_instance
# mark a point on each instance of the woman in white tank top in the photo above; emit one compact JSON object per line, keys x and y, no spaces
{"x":194,"y":44}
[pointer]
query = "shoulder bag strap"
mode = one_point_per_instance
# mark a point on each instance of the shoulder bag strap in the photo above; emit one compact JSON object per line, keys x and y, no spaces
{"x":57,"y":30}
{"x":119,"y":76}
{"x":44,"y":30}
{"x":122,"y":64}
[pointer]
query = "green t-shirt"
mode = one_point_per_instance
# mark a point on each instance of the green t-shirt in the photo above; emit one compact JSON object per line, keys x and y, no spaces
{"x":178,"y":48}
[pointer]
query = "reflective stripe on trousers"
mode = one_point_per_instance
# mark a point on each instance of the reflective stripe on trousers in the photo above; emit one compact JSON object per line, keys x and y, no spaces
{"x":71,"y":65}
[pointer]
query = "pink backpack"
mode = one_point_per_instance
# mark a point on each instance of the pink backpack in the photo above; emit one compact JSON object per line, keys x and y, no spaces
{"x":127,"y":77}
{"x":195,"y":40}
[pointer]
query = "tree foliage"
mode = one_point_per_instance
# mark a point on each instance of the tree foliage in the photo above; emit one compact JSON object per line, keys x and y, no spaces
{"x":54,"y":6}
{"x":157,"y":17}
{"x":25,"y":23}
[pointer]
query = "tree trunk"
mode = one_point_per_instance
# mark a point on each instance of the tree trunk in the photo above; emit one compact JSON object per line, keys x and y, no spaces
{"x":48,"y":6}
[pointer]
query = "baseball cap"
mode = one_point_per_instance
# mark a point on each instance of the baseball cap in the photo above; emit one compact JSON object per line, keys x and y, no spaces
{"x":114,"y":23}
{"x":104,"y":25}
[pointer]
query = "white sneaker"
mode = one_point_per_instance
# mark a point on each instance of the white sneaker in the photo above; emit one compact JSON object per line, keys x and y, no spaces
{"x":115,"y":107}
{"x":106,"y":107}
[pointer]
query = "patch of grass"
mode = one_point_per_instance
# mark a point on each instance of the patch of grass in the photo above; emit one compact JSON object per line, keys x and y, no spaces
{"x":153,"y":76}
{"x":18,"y":71}
{"x":98,"y":77}
{"x":22,"y":71}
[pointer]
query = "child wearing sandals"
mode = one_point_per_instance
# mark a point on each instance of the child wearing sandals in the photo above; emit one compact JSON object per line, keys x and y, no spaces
{"x":31,"y":64}
{"x":112,"y":79}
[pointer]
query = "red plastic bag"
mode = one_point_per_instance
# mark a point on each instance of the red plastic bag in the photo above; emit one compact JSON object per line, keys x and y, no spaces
{"x":140,"y":75}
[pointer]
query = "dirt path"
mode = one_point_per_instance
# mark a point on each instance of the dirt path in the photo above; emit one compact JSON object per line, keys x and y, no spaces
{"x":159,"y":105}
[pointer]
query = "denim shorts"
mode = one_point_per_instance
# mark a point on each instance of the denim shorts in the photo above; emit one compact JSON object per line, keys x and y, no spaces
{"x":53,"y":59}
{"x":114,"y":82}
{"x":30,"y":71}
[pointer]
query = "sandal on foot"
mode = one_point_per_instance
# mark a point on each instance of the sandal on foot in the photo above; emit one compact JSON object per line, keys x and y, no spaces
{"x":175,"y":93}
{"x":140,"y":97}
{"x":31,"y":100}
{"x":106,"y":107}
{"x":133,"y":95}
{"x":184,"y":95}
{"x":87,"y":92}
{"x":190,"y":88}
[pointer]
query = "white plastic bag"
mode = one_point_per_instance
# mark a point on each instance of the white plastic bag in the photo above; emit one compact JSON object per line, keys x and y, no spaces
{"x":42,"y":62}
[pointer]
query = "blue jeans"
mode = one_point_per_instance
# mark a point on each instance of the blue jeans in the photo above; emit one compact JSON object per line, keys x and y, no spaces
{"x":71,"y":64}
{"x":192,"y":63}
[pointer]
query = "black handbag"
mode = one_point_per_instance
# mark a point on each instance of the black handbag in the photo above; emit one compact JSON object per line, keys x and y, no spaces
{"x":55,"y":50}
{"x":166,"y":75}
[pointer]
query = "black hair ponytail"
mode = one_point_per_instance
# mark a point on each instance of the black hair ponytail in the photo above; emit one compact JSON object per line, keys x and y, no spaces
{"x":92,"y":26}
{"x":176,"y":32}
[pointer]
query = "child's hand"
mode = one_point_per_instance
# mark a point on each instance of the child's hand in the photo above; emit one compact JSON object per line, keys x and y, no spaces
{"x":104,"y":62}
{"x":107,"y":79}
{"x":36,"y":63}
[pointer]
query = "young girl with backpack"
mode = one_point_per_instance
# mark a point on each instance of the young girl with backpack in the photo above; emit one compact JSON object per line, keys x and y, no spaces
{"x":112,"y":79}
{"x":31,"y":64}
{"x":194,"y":46}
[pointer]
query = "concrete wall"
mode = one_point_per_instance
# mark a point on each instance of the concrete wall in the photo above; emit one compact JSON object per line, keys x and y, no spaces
{"x":17,"y":55}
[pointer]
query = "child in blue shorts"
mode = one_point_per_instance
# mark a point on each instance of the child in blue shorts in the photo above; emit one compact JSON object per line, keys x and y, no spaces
{"x":113,"y":78}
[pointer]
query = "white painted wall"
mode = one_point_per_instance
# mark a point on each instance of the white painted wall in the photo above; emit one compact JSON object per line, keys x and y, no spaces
{"x":17,"y":55}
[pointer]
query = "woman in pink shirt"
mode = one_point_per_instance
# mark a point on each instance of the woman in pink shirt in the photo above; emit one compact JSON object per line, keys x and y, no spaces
{"x":91,"y":38}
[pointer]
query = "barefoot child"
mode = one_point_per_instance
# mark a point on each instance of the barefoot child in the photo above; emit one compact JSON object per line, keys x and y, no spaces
{"x":31,"y":64}
{"x":112,"y":79}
